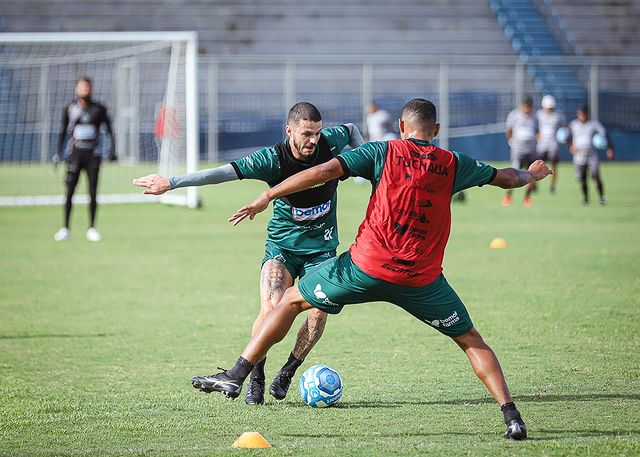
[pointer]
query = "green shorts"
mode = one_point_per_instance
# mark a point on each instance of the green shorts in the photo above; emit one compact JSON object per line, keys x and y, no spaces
{"x":297,"y":265}
{"x":338,"y":282}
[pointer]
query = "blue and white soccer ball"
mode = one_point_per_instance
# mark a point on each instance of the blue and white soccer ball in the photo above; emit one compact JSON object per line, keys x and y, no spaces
{"x":320,"y":386}
{"x":599,"y":141}
{"x":562,"y":135}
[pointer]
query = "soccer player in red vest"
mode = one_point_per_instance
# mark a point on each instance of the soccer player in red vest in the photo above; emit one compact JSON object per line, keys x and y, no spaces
{"x":397,"y":255}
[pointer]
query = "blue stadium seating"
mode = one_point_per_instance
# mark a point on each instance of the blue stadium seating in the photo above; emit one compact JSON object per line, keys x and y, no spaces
{"x":531,"y":37}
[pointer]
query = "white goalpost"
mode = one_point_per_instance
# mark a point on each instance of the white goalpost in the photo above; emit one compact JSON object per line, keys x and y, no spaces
{"x":146,"y":80}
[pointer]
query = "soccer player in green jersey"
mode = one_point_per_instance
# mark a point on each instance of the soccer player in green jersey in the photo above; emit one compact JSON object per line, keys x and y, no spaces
{"x":301,"y":234}
{"x":398,"y":252}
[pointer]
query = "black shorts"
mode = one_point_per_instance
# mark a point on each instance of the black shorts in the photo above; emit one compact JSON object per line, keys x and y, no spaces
{"x":82,"y":158}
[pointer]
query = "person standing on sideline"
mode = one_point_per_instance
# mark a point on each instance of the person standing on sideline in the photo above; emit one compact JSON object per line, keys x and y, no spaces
{"x":378,"y":123}
{"x":398,"y":252}
{"x":582,"y":131}
{"x":301,"y":234}
{"x":549,"y":121}
{"x":522,"y":130}
{"x":82,"y":120}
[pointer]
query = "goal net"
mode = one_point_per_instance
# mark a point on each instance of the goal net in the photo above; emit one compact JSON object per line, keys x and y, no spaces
{"x":146,"y":80}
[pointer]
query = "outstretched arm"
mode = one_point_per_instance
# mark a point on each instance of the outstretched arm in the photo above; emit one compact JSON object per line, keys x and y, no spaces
{"x":300,"y":181}
{"x":509,"y":178}
{"x":355,"y":138}
{"x":157,"y":184}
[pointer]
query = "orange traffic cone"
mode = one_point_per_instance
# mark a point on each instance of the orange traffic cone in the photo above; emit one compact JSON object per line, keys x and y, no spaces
{"x":251,"y":440}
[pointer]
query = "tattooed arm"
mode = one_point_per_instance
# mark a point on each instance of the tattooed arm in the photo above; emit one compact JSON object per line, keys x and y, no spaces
{"x":509,"y":178}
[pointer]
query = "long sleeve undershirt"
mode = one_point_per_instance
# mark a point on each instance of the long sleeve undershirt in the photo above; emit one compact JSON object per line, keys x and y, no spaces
{"x":226,"y":172}
{"x":216,"y":175}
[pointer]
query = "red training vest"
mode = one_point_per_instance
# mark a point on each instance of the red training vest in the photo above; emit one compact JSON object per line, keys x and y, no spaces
{"x":408,"y":221}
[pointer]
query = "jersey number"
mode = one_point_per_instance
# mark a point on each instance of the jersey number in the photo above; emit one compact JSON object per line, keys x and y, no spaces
{"x":328,"y":234}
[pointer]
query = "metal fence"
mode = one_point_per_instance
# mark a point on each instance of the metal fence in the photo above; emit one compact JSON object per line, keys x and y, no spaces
{"x":244,"y":100}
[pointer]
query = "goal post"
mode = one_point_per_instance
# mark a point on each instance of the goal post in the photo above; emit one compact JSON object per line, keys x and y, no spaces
{"x":146,"y":80}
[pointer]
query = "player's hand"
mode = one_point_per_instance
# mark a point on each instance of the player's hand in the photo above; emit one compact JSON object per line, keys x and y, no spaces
{"x":573,"y":149}
{"x":155,"y":184}
{"x":540,"y":170}
{"x":55,"y":160}
{"x":250,"y":210}
{"x":610,"y":154}
{"x":113,"y":156}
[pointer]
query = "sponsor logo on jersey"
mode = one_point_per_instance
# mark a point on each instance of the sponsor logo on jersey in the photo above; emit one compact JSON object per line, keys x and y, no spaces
{"x":310,"y":214}
{"x":396,"y":269}
{"x":400,"y":229}
{"x":417,"y":164}
{"x":413,"y":215}
{"x":406,"y":263}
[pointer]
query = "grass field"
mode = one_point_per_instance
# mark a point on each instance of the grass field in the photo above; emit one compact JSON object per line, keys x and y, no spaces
{"x":98,"y":341}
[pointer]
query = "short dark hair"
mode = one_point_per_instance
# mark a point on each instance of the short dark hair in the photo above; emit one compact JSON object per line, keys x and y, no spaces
{"x":85,"y":79}
{"x":420,"y":111}
{"x":584,"y":108}
{"x":527,"y":100}
{"x":303,"y":111}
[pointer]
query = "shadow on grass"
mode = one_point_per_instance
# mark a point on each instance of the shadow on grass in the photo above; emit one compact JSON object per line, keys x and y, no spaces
{"x":538,"y":434}
{"x":476,"y":401}
{"x":54,"y":335}
{"x":542,"y":434}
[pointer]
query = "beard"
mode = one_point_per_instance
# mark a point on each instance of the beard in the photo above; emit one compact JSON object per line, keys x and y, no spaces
{"x":301,"y":148}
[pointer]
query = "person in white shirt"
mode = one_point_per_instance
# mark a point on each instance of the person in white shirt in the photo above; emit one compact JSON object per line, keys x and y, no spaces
{"x":522,"y":130}
{"x":548,"y":148}
{"x":581,"y":146}
{"x":378,"y":123}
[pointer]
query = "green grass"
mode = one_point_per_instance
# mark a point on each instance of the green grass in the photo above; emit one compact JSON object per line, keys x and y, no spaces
{"x":98,"y":341}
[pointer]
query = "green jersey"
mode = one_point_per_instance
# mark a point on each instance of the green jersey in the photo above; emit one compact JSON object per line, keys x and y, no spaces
{"x":305,"y":222}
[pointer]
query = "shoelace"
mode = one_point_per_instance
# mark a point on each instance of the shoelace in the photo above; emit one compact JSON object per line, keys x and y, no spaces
{"x":256,"y":387}
{"x":222,"y":370}
{"x":283,"y":376}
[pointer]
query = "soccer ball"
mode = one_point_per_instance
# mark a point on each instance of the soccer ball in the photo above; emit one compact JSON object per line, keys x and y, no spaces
{"x":599,"y":141}
{"x":320,"y":386}
{"x":562,"y":135}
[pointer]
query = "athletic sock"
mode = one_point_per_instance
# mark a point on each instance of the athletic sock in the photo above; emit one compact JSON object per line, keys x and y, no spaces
{"x":258,"y":370}
{"x":600,"y":188}
{"x":292,"y":364}
{"x":510,"y":412}
{"x":241,"y":369}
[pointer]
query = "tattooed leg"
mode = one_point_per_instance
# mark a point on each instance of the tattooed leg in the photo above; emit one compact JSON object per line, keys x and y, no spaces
{"x":309,"y":333}
{"x":274,"y":280}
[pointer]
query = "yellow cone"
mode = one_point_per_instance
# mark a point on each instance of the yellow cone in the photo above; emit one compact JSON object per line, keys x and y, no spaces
{"x":498,"y":243}
{"x":251,"y":440}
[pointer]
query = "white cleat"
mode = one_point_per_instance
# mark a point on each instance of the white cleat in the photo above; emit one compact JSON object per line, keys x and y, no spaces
{"x":93,"y":234}
{"x":62,"y":234}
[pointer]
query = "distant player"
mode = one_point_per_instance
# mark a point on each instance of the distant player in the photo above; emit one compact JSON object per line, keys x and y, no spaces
{"x":81,"y":120}
{"x":398,"y":252}
{"x":301,"y":234}
{"x":522,"y":130}
{"x":378,"y":123}
{"x":585,"y":156}
{"x":549,"y":121}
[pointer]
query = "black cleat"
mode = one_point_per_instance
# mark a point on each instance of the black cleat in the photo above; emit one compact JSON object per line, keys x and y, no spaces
{"x":280,"y":385}
{"x":220,"y":382}
{"x":516,"y":430}
{"x":255,"y":392}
